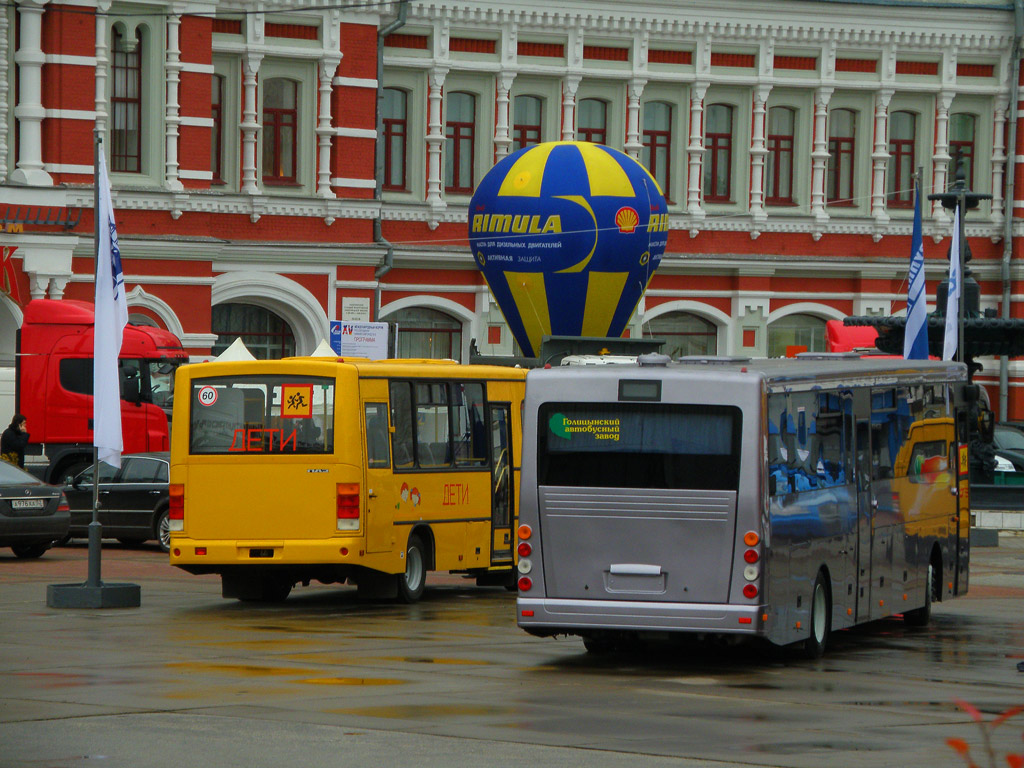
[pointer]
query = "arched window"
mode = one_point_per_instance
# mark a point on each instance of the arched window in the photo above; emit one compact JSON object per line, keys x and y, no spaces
{"x":126,"y":103}
{"x":961,"y":142}
{"x":657,"y":138}
{"x":842,"y":125}
{"x":779,"y":179}
{"x":266,"y":335}
{"x":280,"y":130}
{"x":902,"y":154}
{"x":217,"y":132}
{"x":395,"y":116}
{"x":684,"y":334}
{"x":718,"y":154}
{"x":459,"y":145}
{"x":427,"y":333}
{"x":592,"y":121}
{"x":526,"y":122}
{"x":796,"y":333}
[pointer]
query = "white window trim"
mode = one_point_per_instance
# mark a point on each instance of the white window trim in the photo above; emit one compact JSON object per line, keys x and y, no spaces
{"x":741,"y":100}
{"x":415,"y":85}
{"x":863,"y":106}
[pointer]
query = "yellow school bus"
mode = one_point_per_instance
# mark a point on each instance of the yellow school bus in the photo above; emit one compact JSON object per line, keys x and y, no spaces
{"x":344,"y":470}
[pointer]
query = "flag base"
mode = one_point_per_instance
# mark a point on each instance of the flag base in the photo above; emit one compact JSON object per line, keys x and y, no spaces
{"x":89,"y":596}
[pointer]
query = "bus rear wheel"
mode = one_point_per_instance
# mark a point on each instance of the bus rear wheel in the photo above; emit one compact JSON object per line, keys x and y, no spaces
{"x":821,"y":619}
{"x":412,"y":583}
{"x":919,"y":617}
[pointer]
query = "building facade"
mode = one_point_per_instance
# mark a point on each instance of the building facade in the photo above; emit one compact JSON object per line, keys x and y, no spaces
{"x":276,"y":170}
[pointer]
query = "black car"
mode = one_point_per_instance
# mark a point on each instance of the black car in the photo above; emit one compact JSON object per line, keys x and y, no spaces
{"x":133,"y":500}
{"x":33,"y":514}
{"x":1009,"y":443}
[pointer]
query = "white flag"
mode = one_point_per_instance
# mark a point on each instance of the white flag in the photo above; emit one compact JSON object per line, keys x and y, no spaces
{"x":915,"y":335}
{"x":111,"y":318}
{"x":953,"y":297}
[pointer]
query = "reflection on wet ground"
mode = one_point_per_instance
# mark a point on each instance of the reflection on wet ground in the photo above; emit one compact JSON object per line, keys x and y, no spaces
{"x":456,"y":665}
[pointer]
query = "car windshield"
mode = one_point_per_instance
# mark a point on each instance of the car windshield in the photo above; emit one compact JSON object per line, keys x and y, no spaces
{"x":161,"y":381}
{"x":12,"y":475}
{"x":1009,"y":438}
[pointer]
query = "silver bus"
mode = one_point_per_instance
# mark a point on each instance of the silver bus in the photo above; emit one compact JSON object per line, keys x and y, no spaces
{"x":774,"y":498}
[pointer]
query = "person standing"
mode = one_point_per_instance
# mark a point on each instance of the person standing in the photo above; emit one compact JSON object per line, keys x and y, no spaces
{"x":14,"y":440}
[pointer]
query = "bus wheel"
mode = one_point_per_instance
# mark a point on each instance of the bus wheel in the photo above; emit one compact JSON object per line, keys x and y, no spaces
{"x":919,"y":617}
{"x":821,"y":619}
{"x":414,"y":580}
{"x":276,"y":591}
{"x":599,"y":645}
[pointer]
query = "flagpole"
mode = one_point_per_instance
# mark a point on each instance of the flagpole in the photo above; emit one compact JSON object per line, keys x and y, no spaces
{"x":94,"y":593}
{"x":95,"y":529}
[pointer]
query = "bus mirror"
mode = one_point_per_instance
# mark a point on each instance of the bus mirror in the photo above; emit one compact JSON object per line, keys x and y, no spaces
{"x":130,"y":390}
{"x":971,"y":393}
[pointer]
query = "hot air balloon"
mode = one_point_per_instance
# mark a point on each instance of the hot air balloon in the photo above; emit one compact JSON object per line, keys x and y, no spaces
{"x":567,"y":235}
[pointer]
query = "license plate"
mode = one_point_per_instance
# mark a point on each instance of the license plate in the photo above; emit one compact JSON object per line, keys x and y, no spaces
{"x":27,"y":503}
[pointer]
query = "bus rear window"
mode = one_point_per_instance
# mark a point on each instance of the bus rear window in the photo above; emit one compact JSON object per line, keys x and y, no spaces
{"x":262,"y":414}
{"x":619,"y":445}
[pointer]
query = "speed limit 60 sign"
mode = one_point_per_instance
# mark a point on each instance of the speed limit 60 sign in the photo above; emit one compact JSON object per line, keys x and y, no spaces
{"x":207,"y":395}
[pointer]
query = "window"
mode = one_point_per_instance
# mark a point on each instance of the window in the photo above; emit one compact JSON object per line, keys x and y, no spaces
{"x":684,"y":334}
{"x":271,"y":414}
{"x":779,"y":177}
{"x":266,"y":335}
{"x":804,"y":332}
{"x":841,"y":135}
{"x":396,"y":115}
{"x":377,"y":456}
{"x":526,"y":122}
{"x":427,"y":333}
{"x":718,"y":154}
{"x":217,"y":132}
{"x":460,"y":140}
{"x":433,"y":439}
{"x":280,"y":125}
{"x":592,"y":121}
{"x":126,"y":104}
{"x":470,"y":428}
{"x":902,"y":151}
{"x":658,"y":142}
{"x":655,"y":446}
{"x":140,"y":470}
{"x":961,"y":144}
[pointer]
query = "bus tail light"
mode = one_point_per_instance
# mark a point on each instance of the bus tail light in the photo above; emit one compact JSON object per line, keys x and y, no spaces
{"x":751,"y":538}
{"x":525,"y":549}
{"x":348,"y":506}
{"x":524,"y":532}
{"x":176,"y":507}
{"x":525,"y":583}
{"x":525,"y":565}
{"x":750,"y":591}
{"x":751,"y":556}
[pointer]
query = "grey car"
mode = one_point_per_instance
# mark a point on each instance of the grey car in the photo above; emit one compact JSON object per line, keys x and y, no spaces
{"x":33,"y":514}
{"x":133,"y":500}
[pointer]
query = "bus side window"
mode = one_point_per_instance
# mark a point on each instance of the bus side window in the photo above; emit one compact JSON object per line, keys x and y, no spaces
{"x":470,"y":430}
{"x":401,"y":420}
{"x":377,"y":436}
{"x":433,"y":437}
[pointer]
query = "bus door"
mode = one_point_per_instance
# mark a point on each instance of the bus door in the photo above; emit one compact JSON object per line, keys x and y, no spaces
{"x":867,"y":504}
{"x":502,"y":482}
{"x":381,"y":494}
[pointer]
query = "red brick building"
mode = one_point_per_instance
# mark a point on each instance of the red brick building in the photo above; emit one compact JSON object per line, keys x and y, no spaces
{"x":242,"y":151}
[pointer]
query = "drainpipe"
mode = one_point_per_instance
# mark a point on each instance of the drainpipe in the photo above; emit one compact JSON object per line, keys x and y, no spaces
{"x":378,"y":171}
{"x":1011,"y":158}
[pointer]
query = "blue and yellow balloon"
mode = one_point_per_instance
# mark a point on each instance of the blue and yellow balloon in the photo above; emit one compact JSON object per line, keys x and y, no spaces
{"x":567,"y":235}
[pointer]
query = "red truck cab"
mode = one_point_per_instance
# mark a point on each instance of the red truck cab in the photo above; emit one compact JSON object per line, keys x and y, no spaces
{"x":53,"y":386}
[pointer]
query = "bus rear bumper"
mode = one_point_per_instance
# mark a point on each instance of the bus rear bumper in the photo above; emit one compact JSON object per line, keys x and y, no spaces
{"x":546,"y":616}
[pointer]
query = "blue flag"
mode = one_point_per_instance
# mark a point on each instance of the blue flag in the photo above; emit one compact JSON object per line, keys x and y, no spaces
{"x":110,"y":320}
{"x":915,"y":336}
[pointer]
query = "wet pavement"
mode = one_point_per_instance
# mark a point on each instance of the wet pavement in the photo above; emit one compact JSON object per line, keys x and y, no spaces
{"x":323,"y":679}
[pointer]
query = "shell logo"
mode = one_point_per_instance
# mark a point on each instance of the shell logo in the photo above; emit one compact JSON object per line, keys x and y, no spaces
{"x":626,"y":219}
